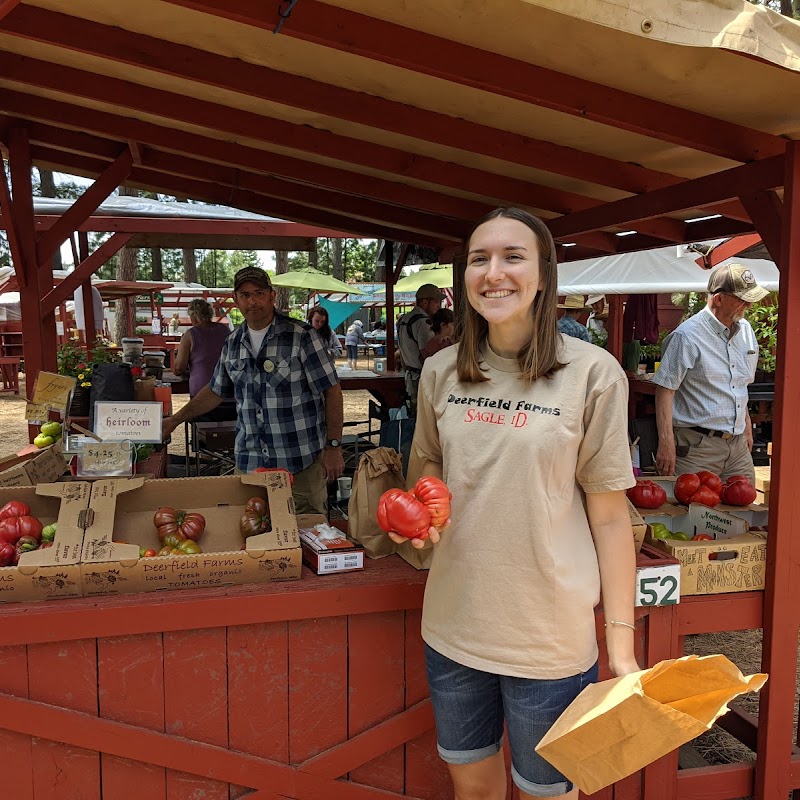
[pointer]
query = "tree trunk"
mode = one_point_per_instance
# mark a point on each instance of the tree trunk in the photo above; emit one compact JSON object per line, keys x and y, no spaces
{"x":338,"y":263}
{"x":189,"y":261}
{"x":281,"y":266}
{"x":126,"y":271}
{"x":313,"y":260}
{"x":158,"y":266}
{"x":49,"y":190}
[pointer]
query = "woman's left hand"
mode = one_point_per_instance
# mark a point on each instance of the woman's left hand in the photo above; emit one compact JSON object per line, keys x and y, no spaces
{"x":434,"y":534}
{"x":624,"y":667}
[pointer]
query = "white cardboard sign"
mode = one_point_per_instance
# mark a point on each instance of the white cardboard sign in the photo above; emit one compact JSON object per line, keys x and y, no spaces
{"x":658,"y":586}
{"x":133,"y":422}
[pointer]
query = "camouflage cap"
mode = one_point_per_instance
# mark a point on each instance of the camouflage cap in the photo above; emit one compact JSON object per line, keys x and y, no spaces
{"x":737,"y":280}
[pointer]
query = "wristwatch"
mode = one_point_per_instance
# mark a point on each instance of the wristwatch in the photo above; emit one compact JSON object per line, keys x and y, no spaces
{"x":333,"y":443}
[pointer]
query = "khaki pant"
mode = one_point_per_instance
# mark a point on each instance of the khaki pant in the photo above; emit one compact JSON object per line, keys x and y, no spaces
{"x":310,"y":489}
{"x":696,"y":451}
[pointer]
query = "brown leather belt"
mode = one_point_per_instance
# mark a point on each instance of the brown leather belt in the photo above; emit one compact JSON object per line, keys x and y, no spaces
{"x":707,"y":432}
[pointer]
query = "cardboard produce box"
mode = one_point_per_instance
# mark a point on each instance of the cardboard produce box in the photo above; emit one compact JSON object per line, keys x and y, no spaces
{"x":53,"y":573}
{"x":122,"y":511}
{"x":30,"y":469}
{"x":733,"y":561}
{"x":639,"y":526}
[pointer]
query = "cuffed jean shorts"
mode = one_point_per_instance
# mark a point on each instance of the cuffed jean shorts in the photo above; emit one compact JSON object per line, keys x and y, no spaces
{"x":471,"y":707}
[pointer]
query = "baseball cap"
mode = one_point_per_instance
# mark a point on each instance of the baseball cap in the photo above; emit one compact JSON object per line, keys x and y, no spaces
{"x":254,"y":275}
{"x":737,"y":280}
{"x":429,"y":292}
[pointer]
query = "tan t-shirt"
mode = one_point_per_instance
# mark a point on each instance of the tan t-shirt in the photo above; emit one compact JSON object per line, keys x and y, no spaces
{"x":514,"y":580}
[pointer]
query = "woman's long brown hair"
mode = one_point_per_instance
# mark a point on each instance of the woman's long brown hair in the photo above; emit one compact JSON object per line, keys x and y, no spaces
{"x":539,"y":357}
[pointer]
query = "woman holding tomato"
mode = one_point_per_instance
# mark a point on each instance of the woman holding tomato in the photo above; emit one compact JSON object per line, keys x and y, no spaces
{"x":528,"y":429}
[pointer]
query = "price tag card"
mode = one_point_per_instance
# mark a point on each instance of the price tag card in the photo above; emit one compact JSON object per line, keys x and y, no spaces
{"x":134,"y":422}
{"x":105,"y":460}
{"x":53,"y":389}
{"x":37,"y":412}
{"x":658,"y":586}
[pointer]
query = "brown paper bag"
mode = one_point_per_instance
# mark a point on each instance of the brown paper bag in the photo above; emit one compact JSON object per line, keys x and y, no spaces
{"x":617,"y":727}
{"x":378,"y":470}
{"x":144,"y":390}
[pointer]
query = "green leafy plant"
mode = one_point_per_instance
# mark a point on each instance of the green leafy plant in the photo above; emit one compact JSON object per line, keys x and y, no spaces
{"x":764,"y":318}
{"x":78,"y":361}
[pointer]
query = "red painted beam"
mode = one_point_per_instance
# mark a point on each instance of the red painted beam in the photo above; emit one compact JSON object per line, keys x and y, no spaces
{"x":274,"y":86}
{"x":283,"y":193}
{"x":7,"y":6}
{"x":670,"y":230}
{"x":716,"y":783}
{"x":298,"y":138}
{"x":698,"y":193}
{"x":766,"y":211}
{"x":115,"y":174}
{"x":11,"y":229}
{"x":740,"y":611}
{"x":84,"y":271}
{"x":776,"y":728}
{"x":250,"y":158}
{"x":729,"y":249}
{"x":376,"y":39}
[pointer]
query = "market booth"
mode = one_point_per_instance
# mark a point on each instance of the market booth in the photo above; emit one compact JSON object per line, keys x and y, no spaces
{"x":610,"y":124}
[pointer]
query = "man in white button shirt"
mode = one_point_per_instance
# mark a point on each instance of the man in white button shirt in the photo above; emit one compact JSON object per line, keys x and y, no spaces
{"x":707,"y":363}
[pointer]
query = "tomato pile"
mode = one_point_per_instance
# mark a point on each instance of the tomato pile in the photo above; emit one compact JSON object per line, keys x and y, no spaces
{"x":411,"y":514}
{"x":178,"y":531}
{"x":21,"y":533}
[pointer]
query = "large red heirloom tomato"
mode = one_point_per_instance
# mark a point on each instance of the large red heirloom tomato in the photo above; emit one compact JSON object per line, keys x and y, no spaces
{"x":435,"y":496}
{"x":647,"y":494}
{"x":401,"y":512}
{"x":702,"y":487}
{"x":183,"y":524}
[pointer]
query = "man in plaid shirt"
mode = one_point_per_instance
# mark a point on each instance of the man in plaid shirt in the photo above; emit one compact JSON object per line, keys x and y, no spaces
{"x":288,"y":398}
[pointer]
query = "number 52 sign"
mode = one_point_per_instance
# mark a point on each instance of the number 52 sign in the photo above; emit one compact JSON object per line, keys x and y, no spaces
{"x":658,"y":586}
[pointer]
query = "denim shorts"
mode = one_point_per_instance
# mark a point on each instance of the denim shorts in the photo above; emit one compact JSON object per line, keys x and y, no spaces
{"x":471,"y":707}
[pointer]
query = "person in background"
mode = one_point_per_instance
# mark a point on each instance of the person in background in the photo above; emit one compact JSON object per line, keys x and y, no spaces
{"x":528,"y":427}
{"x":596,"y":324}
{"x":707,"y":363}
{"x":97,"y":312}
{"x":318,"y":317}
{"x":199,"y":348}
{"x":568,"y":324}
{"x":288,"y":397}
{"x":175,"y":324}
{"x":442,"y":325}
{"x":352,"y":339}
{"x":413,"y":333}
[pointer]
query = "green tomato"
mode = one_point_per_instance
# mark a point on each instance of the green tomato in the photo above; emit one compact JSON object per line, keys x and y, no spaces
{"x":49,"y":532}
{"x":51,"y":429}
{"x":680,"y":536}
{"x":43,"y":441}
{"x":660,"y":530}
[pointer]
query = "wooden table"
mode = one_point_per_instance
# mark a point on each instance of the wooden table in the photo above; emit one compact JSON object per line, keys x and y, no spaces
{"x":388,"y":388}
{"x":303,"y":689}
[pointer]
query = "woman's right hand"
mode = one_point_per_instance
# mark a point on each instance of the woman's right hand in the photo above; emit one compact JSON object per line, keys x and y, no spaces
{"x":434,"y":534}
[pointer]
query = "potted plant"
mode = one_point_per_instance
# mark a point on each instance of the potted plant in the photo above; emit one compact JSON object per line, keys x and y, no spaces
{"x":78,"y":361}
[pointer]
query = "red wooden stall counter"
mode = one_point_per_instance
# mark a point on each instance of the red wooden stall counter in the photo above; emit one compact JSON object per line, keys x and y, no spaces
{"x":308,"y":690}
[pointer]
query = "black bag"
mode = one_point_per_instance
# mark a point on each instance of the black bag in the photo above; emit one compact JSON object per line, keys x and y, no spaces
{"x":110,"y":383}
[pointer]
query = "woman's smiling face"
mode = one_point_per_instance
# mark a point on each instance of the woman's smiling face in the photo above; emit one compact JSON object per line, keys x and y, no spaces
{"x":503,"y":275}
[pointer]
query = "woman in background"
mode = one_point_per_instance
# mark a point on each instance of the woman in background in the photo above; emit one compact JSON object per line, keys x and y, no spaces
{"x":443,"y":325}
{"x":319,"y":321}
{"x":352,"y":339}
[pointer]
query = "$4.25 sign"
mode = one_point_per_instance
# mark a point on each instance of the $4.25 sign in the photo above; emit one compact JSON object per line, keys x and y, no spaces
{"x":658,"y":586}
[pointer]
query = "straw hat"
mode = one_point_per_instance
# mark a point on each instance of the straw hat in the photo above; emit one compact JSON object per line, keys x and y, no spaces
{"x":573,"y":302}
{"x":595,"y":298}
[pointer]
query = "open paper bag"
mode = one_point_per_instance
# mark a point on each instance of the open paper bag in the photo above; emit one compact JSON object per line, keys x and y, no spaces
{"x":614,"y":728}
{"x":378,"y":471}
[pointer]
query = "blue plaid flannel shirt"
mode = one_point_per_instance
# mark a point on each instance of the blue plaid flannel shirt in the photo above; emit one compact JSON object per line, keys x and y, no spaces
{"x":571,"y":327}
{"x":281,"y":412}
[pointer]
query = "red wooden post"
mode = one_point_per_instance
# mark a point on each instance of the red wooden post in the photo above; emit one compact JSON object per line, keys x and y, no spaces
{"x":779,"y":659}
{"x":615,"y":326}
{"x":388,"y":271}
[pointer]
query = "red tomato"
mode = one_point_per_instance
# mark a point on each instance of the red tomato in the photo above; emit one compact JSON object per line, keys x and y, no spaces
{"x":13,"y":528}
{"x":435,"y":496}
{"x":186,"y":524}
{"x":710,"y":479}
{"x":255,"y":518}
{"x":15,"y":508}
{"x":647,"y":494}
{"x":401,"y":512}
{"x":698,"y":488}
{"x":702,"y":537}
{"x":738,"y":493}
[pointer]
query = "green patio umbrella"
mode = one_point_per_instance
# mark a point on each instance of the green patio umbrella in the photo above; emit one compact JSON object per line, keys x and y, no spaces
{"x":440,"y":275}
{"x":313,"y":280}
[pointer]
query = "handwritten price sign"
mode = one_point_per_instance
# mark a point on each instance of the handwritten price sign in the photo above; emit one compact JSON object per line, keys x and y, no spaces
{"x":105,"y":459}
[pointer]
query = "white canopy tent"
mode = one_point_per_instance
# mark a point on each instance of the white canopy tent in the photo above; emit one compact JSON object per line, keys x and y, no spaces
{"x":666,"y":270}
